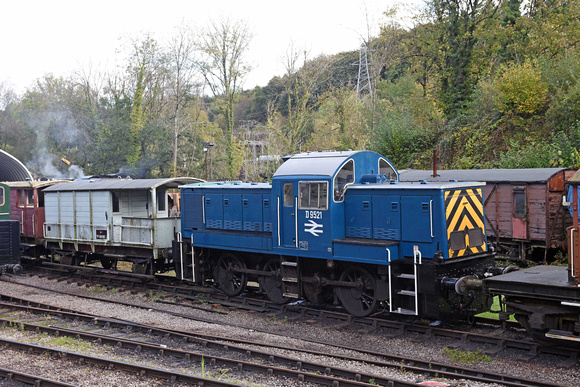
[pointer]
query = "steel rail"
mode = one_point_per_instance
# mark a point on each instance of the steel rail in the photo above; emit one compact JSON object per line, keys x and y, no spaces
{"x":392,"y":361}
{"x":114,"y":364}
{"x":306,"y":371}
{"x":33,"y":380}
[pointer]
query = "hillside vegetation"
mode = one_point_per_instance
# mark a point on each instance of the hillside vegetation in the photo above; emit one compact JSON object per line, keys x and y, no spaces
{"x":493,"y":84}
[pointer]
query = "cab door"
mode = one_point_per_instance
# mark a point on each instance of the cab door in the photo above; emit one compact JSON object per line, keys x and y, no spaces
{"x":287,"y":203}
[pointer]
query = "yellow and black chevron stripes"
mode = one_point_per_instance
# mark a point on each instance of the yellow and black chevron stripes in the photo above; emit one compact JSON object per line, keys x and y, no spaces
{"x":465,"y":221}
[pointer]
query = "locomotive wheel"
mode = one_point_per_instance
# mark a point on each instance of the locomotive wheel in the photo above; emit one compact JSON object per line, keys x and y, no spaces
{"x":360,"y":300}
{"x":273,"y":286}
{"x":230,"y":282}
{"x":312,"y":293}
{"x":315,"y":293}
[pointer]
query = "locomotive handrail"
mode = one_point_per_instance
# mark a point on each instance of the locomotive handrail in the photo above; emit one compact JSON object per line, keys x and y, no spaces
{"x":278,"y":210}
{"x":203,"y":208}
{"x":390,"y":281}
{"x":179,"y":241}
{"x":431,"y":217}
{"x":296,"y":220}
{"x":416,"y":252}
{"x":572,"y":251}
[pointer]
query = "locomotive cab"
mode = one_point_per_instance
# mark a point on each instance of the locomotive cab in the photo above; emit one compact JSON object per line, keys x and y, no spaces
{"x":309,"y":191}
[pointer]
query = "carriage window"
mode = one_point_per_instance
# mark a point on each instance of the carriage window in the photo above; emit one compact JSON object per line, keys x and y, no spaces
{"x":21,"y":198}
{"x":1,"y":196}
{"x":387,"y":169}
{"x":25,"y":198}
{"x":343,"y":177}
{"x":313,"y":195}
{"x":519,"y":203}
{"x":288,"y":195}
{"x":161,"y":197}
{"x":115,"y":198}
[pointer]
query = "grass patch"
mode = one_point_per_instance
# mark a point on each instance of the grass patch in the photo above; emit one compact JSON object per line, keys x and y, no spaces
{"x":496,"y":307}
{"x":466,"y":357}
{"x":69,"y":343}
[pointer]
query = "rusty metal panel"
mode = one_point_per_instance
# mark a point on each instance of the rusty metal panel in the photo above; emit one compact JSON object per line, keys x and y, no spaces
{"x":556,"y":182}
{"x":536,"y":212}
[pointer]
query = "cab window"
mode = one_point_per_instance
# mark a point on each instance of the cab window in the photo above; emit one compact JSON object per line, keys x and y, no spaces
{"x":343,"y":177}
{"x":313,"y":195}
{"x":288,"y":195}
{"x":385,"y":168}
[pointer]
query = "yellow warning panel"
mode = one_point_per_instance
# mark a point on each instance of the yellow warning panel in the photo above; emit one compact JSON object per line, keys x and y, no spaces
{"x":465,"y":221}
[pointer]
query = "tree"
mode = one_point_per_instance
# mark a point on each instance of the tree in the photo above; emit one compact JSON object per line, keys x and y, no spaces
{"x":521,"y":90}
{"x":183,"y":85}
{"x":223,"y":46}
{"x":339,"y":123}
{"x":52,"y":110}
{"x":458,"y":22}
{"x":148,"y":78}
{"x":299,"y":98}
{"x":13,"y":138}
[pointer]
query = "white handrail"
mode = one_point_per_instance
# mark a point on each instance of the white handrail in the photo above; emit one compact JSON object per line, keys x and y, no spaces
{"x":416,"y":253}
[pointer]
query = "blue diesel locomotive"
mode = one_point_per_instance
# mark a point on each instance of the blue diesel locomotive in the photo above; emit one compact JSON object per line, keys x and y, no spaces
{"x":340,"y":227}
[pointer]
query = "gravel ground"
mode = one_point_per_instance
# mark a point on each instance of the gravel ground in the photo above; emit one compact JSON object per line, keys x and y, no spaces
{"x":251,"y":326}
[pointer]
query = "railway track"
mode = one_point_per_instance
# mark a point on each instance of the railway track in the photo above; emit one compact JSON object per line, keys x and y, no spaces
{"x":141,"y":338}
{"x":430,"y":369}
{"x":489,"y":343}
{"x":14,"y":376}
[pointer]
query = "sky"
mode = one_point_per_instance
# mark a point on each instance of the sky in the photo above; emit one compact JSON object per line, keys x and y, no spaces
{"x":61,"y":37}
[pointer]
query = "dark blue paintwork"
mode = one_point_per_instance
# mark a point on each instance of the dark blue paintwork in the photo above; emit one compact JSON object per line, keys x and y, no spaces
{"x":303,"y":214}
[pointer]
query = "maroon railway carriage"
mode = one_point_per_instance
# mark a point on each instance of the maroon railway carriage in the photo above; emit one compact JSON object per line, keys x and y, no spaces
{"x":27,"y":206}
{"x":523,"y":207}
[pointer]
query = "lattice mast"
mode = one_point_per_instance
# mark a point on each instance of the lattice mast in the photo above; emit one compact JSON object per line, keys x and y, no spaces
{"x":363,"y":84}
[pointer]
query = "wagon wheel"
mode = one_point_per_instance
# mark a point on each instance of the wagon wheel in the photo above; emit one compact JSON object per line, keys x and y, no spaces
{"x":230,"y":282}
{"x":539,"y":334}
{"x":141,"y":267}
{"x":273,"y":285}
{"x":359,"y":300}
{"x":107,"y":263}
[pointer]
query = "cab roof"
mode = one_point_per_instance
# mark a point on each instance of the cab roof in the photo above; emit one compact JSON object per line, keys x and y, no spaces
{"x":327,"y":163}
